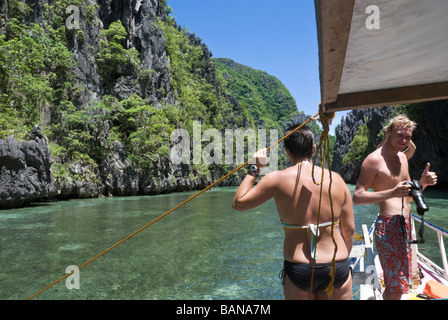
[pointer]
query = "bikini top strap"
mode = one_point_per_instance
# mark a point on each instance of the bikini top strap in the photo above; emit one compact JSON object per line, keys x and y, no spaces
{"x":312,"y":231}
{"x":294,"y":226}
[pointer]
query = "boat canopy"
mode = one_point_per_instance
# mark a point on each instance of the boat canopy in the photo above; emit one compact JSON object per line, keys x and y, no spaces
{"x":381,"y":53}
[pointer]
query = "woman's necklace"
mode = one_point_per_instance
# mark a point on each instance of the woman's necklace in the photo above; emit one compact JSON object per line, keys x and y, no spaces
{"x":302,"y":162}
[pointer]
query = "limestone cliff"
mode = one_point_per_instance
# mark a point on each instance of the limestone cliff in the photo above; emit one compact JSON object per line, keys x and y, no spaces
{"x":107,"y":81}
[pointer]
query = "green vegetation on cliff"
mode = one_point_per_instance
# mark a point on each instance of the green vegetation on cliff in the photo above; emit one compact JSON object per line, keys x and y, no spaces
{"x":262,"y":96}
{"x":360,"y":147}
{"x":35,"y":75}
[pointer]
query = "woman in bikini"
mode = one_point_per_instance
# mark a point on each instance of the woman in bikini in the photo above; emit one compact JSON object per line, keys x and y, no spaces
{"x":308,"y":245}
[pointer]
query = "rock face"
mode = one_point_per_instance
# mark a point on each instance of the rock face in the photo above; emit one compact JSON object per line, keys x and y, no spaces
{"x":26,"y":170}
{"x":431,"y":139}
{"x":139,"y":18}
{"x":346,"y":131}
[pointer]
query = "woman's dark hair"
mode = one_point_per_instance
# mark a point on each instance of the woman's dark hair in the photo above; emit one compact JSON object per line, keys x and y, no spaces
{"x":300,"y":143}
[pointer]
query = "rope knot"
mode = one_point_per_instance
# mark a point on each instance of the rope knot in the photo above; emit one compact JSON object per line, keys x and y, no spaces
{"x":325,"y":118}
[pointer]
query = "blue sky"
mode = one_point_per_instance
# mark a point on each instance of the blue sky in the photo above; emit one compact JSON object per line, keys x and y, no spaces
{"x":278,"y":37}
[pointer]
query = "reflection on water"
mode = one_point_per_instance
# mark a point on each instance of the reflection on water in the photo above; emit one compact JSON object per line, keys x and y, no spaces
{"x":204,"y":250}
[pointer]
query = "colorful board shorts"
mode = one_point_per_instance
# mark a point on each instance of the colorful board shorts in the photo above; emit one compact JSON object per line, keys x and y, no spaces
{"x":394,"y":252}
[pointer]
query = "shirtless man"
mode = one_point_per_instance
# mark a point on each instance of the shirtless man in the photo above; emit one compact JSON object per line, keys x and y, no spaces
{"x":297,"y":200}
{"x":386,"y":171}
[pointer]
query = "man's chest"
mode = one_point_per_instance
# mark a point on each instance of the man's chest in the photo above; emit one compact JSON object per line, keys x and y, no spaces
{"x":391,"y":173}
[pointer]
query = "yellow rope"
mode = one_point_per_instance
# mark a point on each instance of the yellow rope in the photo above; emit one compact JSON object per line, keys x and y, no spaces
{"x":169,"y":211}
{"x":353,"y":295}
{"x":323,"y":150}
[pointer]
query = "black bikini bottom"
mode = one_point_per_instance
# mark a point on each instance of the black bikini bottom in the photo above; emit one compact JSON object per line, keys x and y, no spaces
{"x":300,"y":274}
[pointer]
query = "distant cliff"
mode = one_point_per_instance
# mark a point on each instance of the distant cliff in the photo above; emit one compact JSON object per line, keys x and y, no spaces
{"x":361,"y":130}
{"x":260,"y":94}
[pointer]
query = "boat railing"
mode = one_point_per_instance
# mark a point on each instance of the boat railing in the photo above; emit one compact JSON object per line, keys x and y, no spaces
{"x":359,"y":251}
{"x":366,"y":278}
{"x":440,"y":234}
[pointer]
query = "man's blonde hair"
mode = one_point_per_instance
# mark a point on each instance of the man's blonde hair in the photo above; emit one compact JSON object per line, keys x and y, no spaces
{"x":400,"y":120}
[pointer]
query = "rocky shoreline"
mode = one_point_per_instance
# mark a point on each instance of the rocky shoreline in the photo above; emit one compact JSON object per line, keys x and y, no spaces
{"x":27,"y":175}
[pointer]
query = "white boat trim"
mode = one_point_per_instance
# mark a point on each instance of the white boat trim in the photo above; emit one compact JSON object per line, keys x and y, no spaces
{"x":440,"y":234}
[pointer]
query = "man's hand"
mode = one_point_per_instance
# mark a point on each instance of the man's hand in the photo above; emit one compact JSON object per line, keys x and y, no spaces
{"x":401,"y":190}
{"x":428,"y":178}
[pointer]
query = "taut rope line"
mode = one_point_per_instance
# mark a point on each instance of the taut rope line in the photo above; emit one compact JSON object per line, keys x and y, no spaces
{"x":169,"y":211}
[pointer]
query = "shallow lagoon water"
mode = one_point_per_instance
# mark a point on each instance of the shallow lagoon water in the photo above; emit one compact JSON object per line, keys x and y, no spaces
{"x":203,"y":250}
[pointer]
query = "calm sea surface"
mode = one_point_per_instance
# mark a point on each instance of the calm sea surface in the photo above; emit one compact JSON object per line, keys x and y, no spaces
{"x":204,"y":250}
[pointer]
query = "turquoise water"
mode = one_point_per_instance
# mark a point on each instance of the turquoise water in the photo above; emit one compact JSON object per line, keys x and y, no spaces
{"x":203,"y":250}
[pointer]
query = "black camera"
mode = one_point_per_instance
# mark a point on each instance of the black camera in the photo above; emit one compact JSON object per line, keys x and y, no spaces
{"x":417,"y":195}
